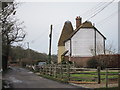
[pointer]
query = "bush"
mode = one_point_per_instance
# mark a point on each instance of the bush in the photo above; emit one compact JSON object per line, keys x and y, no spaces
{"x":66,"y":62}
{"x":92,"y":63}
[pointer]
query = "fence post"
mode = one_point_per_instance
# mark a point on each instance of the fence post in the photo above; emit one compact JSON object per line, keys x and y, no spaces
{"x":52,"y":70}
{"x":44,"y":70}
{"x":119,"y":80}
{"x":98,"y":71}
{"x":61,"y":70}
{"x":68,"y":72}
{"x":55,"y":71}
{"x":106,"y":78}
{"x":49,"y":70}
{"x":40,"y":70}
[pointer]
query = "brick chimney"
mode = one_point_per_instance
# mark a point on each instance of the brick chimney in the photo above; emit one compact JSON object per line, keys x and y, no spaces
{"x":78,"y":21}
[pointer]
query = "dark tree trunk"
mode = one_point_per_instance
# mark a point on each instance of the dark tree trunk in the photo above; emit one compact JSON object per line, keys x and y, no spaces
{"x":5,"y":57}
{"x":4,"y":62}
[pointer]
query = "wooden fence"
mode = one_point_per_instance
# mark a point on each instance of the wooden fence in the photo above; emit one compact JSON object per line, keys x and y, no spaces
{"x":110,"y":74}
{"x":69,"y":73}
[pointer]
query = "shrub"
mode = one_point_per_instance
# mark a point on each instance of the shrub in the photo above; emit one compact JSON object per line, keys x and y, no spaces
{"x":66,"y":62}
{"x":92,"y":63}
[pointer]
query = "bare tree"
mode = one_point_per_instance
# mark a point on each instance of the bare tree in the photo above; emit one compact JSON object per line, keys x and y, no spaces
{"x":109,"y":57}
{"x":110,"y":49}
{"x":12,"y":30}
{"x":99,"y":49}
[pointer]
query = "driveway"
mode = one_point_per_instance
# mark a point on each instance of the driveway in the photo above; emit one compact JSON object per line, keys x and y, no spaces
{"x":23,"y":78}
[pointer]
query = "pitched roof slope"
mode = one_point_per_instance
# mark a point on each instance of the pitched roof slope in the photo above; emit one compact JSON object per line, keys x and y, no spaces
{"x":66,"y":31}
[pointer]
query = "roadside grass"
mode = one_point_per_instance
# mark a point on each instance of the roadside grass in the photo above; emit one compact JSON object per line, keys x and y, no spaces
{"x":102,"y":72}
{"x":92,"y":76}
{"x":55,"y":79}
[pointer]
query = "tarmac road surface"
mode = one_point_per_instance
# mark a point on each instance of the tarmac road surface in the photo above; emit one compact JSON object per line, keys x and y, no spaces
{"x":23,"y":78}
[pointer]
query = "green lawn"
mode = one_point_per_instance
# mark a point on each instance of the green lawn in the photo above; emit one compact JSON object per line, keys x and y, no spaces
{"x":86,"y":76}
{"x":92,"y":76}
{"x":56,"y":79}
{"x":102,"y":72}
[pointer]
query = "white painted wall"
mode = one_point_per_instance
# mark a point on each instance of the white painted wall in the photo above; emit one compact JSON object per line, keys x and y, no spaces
{"x":99,"y":44}
{"x":83,"y":41}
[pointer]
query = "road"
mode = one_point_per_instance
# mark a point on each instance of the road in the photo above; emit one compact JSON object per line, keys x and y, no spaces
{"x":23,"y":78}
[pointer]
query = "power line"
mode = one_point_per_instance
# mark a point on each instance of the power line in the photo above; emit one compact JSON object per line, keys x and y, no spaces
{"x":37,"y":38}
{"x":91,"y":9}
{"x":106,"y":19}
{"x":94,"y":9}
{"x":97,"y":9}
{"x":40,"y":36}
{"x":101,"y":10}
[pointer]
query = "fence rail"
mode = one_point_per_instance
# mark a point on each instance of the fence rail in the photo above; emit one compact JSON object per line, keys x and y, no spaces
{"x":70,"y":73}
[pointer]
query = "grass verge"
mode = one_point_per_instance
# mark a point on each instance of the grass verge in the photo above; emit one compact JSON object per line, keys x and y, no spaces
{"x":55,"y":79}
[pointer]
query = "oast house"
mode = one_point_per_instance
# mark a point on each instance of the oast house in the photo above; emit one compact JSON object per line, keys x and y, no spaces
{"x":80,"y":44}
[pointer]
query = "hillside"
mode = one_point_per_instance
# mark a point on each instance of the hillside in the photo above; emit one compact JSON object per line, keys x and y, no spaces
{"x":18,"y":53}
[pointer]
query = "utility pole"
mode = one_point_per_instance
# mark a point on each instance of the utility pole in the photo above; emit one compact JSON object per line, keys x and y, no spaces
{"x":50,"y":42}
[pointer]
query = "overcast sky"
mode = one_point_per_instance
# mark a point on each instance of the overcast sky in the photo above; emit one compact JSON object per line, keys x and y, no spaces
{"x":38,"y":16}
